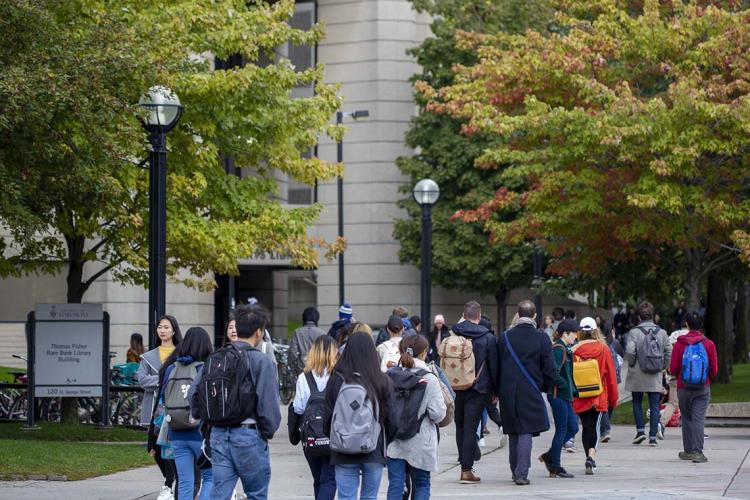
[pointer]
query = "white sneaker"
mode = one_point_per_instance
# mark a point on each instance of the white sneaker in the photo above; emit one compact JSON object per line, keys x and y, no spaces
{"x":481,"y":443}
{"x":165,"y":494}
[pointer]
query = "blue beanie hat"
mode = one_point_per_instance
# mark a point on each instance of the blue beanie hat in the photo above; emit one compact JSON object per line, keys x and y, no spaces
{"x":345,"y":311}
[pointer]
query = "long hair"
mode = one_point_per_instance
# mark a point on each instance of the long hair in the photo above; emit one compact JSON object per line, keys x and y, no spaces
{"x":177,"y":337}
{"x":136,"y":343}
{"x":226,"y":328}
{"x":410,"y":348}
{"x":360,"y":363}
{"x":197,"y":344}
{"x":594,"y":334}
{"x":322,"y":355}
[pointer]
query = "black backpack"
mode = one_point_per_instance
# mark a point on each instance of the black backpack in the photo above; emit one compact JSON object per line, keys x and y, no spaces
{"x":403,"y":406}
{"x":227,"y":391}
{"x":317,"y":413}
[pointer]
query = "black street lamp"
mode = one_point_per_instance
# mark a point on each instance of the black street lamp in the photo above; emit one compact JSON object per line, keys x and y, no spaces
{"x":537,"y":270}
{"x":362,"y":113}
{"x":426,"y":194}
{"x":163,"y":110}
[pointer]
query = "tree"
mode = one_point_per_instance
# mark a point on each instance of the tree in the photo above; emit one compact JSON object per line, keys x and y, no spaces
{"x":626,"y":131}
{"x":463,"y":258}
{"x":74,"y":197}
{"x":71,"y":142}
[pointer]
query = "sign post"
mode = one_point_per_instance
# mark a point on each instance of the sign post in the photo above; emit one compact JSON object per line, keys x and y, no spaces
{"x":69,"y":354}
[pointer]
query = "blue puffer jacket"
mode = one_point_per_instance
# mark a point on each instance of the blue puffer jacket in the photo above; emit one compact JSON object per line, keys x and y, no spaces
{"x":485,"y":351}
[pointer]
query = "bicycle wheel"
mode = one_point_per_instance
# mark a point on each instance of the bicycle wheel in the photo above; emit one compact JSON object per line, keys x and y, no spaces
{"x":52,"y":410}
{"x":20,"y":407}
{"x":128,"y":411}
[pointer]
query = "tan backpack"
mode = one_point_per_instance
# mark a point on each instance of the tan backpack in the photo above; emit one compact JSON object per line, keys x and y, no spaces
{"x":457,"y":361}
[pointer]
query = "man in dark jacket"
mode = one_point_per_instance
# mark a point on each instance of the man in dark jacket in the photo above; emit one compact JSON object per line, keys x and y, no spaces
{"x":345,"y":317}
{"x":520,"y":381}
{"x":470,"y":403}
{"x":303,"y":339}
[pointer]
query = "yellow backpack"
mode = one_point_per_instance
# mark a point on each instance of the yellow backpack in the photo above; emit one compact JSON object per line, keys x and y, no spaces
{"x":586,"y":377}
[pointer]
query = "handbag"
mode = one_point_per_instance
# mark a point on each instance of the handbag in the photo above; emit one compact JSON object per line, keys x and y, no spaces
{"x":526,"y":374}
{"x":293,"y":423}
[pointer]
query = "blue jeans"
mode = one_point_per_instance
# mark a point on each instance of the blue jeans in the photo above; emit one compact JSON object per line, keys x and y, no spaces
{"x":347,"y":481}
{"x":653,"y":404}
{"x":420,"y":481}
{"x":566,"y":427}
{"x":186,"y":453}
{"x":324,"y":477}
{"x":238,"y":452}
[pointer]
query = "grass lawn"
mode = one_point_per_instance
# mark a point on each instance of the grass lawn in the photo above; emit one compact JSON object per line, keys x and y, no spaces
{"x":56,"y":449}
{"x":67,"y":433}
{"x":74,"y":460}
{"x":738,"y":390}
{"x":6,"y":377}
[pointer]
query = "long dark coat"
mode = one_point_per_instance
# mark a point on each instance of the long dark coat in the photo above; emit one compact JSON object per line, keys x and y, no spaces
{"x":521,"y":405}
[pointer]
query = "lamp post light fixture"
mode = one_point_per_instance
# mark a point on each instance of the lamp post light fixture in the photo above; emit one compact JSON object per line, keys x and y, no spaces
{"x":426,"y":194}
{"x":340,"y":115}
{"x":163,"y":111}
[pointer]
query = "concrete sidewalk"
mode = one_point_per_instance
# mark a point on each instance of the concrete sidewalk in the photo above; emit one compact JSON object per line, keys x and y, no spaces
{"x":624,"y":472}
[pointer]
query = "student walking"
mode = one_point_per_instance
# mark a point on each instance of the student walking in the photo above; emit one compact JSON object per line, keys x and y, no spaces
{"x":415,"y":446}
{"x":389,"y":351}
{"x":136,"y":348}
{"x":695,"y":364}
{"x":648,"y":353}
{"x":560,"y":397}
{"x":178,"y":374}
{"x":596,"y":382}
{"x":526,"y":370}
{"x":319,"y":365}
{"x":303,"y":339}
{"x":168,"y":337}
{"x":238,"y":395}
{"x":358,"y":392}
{"x":473,"y":378}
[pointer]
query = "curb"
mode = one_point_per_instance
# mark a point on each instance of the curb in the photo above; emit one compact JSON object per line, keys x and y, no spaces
{"x":33,"y":477}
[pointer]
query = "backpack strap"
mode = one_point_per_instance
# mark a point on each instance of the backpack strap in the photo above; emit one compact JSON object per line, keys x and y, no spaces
{"x":520,"y":365}
{"x":311,"y":383}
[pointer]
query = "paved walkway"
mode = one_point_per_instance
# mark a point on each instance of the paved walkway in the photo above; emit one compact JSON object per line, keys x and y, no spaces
{"x":624,"y":472}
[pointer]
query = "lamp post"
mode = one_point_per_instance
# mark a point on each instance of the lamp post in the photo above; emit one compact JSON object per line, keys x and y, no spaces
{"x":537,"y":265}
{"x":163,"y":110}
{"x":426,"y":194}
{"x":362,"y":113}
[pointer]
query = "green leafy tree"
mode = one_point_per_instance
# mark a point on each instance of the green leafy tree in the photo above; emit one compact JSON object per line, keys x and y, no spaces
{"x":463,"y":257}
{"x":626,"y":132}
{"x":74,"y":197}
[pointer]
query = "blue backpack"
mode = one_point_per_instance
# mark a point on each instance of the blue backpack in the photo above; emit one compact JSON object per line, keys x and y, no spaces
{"x":694,"y":365}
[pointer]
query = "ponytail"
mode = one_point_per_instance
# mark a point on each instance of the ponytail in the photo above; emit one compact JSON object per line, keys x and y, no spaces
{"x":410,"y":348}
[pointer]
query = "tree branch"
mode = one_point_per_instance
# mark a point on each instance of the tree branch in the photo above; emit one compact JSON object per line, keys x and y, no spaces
{"x":86,"y":284}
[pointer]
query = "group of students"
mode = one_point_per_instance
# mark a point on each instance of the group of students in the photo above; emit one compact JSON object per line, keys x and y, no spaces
{"x":211,"y":413}
{"x":359,"y":408}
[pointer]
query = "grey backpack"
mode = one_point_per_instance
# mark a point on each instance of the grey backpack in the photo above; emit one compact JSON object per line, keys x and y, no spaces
{"x":649,"y":353}
{"x":176,"y":402}
{"x":354,"y":423}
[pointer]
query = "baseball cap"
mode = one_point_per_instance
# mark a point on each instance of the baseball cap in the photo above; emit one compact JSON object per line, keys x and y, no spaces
{"x":588,"y":323}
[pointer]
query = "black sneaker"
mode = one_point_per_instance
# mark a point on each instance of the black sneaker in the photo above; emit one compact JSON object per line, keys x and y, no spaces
{"x":560,"y":472}
{"x":544,"y":458}
{"x":639,"y":438}
{"x":686,"y":455}
{"x":699,"y":458}
{"x":653,"y":442}
{"x":522,"y":481}
{"x":590,"y":466}
{"x":605,"y":437}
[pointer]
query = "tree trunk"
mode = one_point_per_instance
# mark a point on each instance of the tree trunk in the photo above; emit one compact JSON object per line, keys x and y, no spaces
{"x":742,"y":328}
{"x":501,"y":299}
{"x":75,"y":295}
{"x":719,"y":324}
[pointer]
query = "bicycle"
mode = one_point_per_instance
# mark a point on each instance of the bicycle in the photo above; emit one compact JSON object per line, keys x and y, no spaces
{"x":287,"y":382}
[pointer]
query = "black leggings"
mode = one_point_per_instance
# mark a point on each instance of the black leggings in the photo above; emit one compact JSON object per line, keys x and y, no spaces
{"x":590,"y":422}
